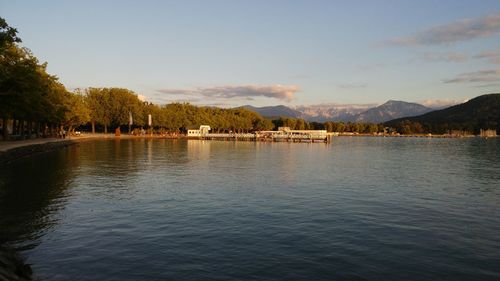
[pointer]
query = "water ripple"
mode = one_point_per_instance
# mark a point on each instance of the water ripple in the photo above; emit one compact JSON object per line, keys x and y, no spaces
{"x":357,"y":209}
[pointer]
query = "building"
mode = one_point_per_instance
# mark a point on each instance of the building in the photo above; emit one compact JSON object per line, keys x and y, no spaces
{"x":203,"y":130}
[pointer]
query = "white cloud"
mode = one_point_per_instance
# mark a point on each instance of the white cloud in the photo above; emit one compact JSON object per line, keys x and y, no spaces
{"x":248,"y":92}
{"x":490,"y":75}
{"x":462,"y":30}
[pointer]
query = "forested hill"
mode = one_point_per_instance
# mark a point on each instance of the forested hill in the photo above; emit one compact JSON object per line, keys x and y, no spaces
{"x":482,"y":112}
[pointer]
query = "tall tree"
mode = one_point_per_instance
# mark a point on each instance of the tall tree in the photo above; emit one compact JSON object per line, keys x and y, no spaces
{"x":8,"y":35}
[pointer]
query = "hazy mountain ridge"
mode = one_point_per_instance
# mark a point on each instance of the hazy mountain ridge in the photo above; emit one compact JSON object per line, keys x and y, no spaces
{"x":345,"y":112}
{"x":392,"y":109}
{"x":332,"y":112}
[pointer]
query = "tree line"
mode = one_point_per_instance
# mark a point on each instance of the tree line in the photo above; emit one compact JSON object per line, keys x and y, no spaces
{"x":115,"y":107}
{"x":330,"y":126}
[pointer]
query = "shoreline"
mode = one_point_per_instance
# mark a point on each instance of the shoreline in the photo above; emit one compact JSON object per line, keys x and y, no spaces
{"x":26,"y":149}
{"x":12,"y":150}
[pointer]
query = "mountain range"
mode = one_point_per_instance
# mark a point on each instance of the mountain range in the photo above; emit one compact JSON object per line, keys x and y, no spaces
{"x":345,"y":113}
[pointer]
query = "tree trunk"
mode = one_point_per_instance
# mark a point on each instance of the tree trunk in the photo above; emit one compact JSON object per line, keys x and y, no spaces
{"x":105,"y":129}
{"x":30,"y":128}
{"x":93,"y":127}
{"x":5,"y":131}
{"x":14,"y":127}
{"x":45,"y":130}
{"x":37,"y":129}
{"x":21,"y":128}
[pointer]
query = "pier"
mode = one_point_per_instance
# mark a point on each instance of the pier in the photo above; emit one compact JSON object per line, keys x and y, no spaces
{"x":283,"y":134}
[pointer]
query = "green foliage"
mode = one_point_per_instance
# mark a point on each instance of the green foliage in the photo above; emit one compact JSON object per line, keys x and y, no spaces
{"x":8,"y":35}
{"x":482,"y":112}
{"x":27,"y":91}
{"x":110,"y":107}
{"x":407,"y":127}
{"x":78,"y":112}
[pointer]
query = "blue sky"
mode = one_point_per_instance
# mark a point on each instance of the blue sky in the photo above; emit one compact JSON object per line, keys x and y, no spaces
{"x":268,"y":52}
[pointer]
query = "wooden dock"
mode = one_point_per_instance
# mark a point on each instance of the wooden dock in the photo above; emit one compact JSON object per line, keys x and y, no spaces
{"x":281,"y":135}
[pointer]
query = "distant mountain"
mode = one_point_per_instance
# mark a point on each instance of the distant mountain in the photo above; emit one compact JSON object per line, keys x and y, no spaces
{"x":313,"y":113}
{"x":482,"y":112}
{"x":344,"y":112}
{"x":391,"y":110}
{"x":332,"y":112}
{"x":275,"y":111}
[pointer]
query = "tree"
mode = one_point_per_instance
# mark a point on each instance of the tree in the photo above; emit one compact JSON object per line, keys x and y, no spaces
{"x":8,"y":35}
{"x":29,"y":96}
{"x":98,"y":105}
{"x":27,"y":92}
{"x":78,"y":112}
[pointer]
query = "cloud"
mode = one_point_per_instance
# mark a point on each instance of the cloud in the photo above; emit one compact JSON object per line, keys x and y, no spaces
{"x":462,"y":30}
{"x":491,"y":75}
{"x":487,"y":85}
{"x":492,"y":56}
{"x":443,"y":57}
{"x":192,"y":101}
{"x":441,"y":103}
{"x":352,"y":85}
{"x":219,"y":105}
{"x":175,"y":91}
{"x":248,"y":92}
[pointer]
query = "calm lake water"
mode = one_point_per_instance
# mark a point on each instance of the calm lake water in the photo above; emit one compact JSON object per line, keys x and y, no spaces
{"x":355,"y":209}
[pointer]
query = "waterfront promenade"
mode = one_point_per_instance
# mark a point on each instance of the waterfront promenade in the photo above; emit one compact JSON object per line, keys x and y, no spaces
{"x":11,"y":150}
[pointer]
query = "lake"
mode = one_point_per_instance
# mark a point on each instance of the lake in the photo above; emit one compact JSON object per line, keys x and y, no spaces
{"x":356,"y":209}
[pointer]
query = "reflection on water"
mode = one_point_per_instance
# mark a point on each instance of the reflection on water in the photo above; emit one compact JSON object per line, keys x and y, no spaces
{"x":359,"y":208}
{"x":32,"y":193}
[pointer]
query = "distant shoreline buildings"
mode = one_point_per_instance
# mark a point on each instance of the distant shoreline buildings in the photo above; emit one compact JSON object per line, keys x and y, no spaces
{"x":283,"y":134}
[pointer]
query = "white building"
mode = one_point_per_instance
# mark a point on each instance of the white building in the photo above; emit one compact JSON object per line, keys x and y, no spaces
{"x":204,"y":129}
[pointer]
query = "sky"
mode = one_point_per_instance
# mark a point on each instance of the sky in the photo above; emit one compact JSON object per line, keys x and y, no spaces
{"x":262,"y":53}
